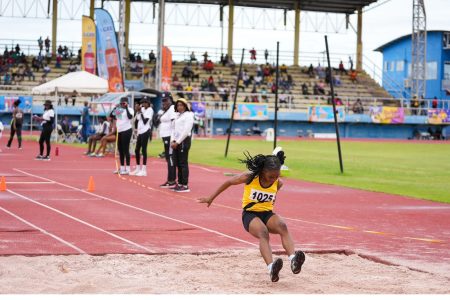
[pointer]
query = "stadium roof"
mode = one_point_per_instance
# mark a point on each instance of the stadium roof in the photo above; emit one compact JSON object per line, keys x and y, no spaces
{"x":331,"y":6}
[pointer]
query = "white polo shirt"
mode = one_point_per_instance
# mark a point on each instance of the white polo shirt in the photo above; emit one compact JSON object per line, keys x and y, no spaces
{"x":146,"y":114}
{"x":166,"y":119}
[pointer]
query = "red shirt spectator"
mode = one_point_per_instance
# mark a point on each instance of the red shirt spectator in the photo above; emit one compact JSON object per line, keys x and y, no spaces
{"x":434,"y":103}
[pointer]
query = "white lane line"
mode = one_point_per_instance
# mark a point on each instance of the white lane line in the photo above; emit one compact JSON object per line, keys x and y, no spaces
{"x":82,"y":222}
{"x":44,"y":231}
{"x":29,"y":182}
{"x":144,"y":210}
{"x":205,"y":169}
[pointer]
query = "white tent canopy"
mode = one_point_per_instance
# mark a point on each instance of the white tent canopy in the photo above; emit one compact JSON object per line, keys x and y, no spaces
{"x":83,"y":82}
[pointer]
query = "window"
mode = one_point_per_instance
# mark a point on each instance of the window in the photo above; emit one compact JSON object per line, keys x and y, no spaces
{"x":385,"y":68}
{"x":446,"y":40}
{"x":431,"y":70}
{"x":391,"y":67}
{"x":400,"y":65}
{"x":447,"y":70}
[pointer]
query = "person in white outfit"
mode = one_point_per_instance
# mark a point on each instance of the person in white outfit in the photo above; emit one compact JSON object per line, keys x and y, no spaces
{"x":180,"y":142}
{"x":144,"y":118}
{"x":165,"y":118}
{"x":123,"y":115}
{"x":47,"y":121}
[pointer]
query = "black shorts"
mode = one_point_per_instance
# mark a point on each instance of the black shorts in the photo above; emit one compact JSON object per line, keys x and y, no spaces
{"x":247,"y":217}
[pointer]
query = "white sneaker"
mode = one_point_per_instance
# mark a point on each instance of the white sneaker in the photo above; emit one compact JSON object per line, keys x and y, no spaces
{"x":135,"y":172}
{"x":124,"y":172}
{"x":142,"y":172}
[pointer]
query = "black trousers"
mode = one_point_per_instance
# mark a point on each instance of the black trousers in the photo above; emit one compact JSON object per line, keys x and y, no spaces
{"x":141,"y":144}
{"x":123,"y":144}
{"x":171,"y":169}
{"x":18,"y":131}
{"x":180,"y":159}
{"x":45,"y":137}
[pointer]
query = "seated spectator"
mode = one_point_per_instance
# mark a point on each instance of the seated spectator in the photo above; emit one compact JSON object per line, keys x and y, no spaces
{"x":305,"y":89}
{"x":29,"y":73}
{"x":43,"y":79}
{"x":47,"y":69}
{"x":357,"y":107}
{"x":414,"y":105}
{"x":434,"y":103}
{"x":151,"y":57}
{"x":208,"y":66}
{"x":175,"y":80}
{"x":353,"y":76}
{"x":283,"y":69}
{"x":256,"y":130}
{"x":7,"y":79}
{"x":60,"y":50}
{"x":65,"y":127}
{"x":133,"y":66}
{"x":102,"y":131}
{"x":104,"y":141}
{"x":58,"y":61}
{"x":192,"y":57}
{"x":337,"y":80}
{"x":65,"y":54}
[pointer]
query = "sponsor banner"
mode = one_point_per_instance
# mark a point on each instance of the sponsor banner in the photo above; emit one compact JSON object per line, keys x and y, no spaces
{"x":251,"y":111}
{"x":88,"y":45}
{"x":108,"y":51}
{"x":6,"y":103}
{"x":324,"y":113}
{"x":387,"y":115}
{"x":166,"y":69}
{"x":439,"y":116}
{"x":198,"y":108}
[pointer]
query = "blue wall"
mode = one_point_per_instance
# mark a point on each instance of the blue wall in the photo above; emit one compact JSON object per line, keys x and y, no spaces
{"x":399,"y":50}
{"x":355,"y":126}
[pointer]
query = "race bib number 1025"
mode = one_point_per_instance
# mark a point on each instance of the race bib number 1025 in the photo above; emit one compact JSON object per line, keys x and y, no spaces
{"x":261,"y":196}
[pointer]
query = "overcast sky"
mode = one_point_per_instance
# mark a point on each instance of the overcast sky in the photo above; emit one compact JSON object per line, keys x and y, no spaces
{"x":380,"y":25}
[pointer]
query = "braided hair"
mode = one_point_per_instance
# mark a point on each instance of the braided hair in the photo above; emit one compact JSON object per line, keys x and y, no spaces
{"x":256,"y":164}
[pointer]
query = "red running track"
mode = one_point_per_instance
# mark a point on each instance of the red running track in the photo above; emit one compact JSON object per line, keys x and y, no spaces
{"x":46,"y":210}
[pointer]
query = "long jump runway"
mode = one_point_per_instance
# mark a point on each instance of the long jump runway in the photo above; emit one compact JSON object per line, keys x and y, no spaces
{"x":47,"y":210}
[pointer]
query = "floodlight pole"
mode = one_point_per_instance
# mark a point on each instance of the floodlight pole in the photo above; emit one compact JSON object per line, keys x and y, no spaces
{"x":275,"y":126}
{"x":234,"y":103}
{"x":336,"y":126}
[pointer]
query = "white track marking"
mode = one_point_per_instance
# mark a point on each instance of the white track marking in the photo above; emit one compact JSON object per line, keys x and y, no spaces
{"x":144,"y":210}
{"x":29,"y":182}
{"x":44,"y":231}
{"x":82,"y":222}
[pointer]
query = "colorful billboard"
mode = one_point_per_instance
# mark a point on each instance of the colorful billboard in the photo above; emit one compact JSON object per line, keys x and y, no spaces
{"x":88,"y":45}
{"x":108,"y":52}
{"x":199,"y":108}
{"x":6,"y":103}
{"x":387,"y":114}
{"x":439,"y":116}
{"x":324,"y":113}
{"x":251,"y":111}
{"x":166,"y":69}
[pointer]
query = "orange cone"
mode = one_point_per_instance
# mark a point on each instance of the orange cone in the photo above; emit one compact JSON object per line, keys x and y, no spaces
{"x":3,"y":184}
{"x":91,"y":184}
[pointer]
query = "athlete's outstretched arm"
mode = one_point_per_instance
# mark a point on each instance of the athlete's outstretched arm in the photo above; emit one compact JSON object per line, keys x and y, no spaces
{"x":238,"y":179}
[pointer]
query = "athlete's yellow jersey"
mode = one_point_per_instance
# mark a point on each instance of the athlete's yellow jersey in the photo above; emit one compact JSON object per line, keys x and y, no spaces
{"x":257,"y":198}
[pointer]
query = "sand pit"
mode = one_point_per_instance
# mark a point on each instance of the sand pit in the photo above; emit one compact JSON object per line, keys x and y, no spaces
{"x":228,"y":272}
